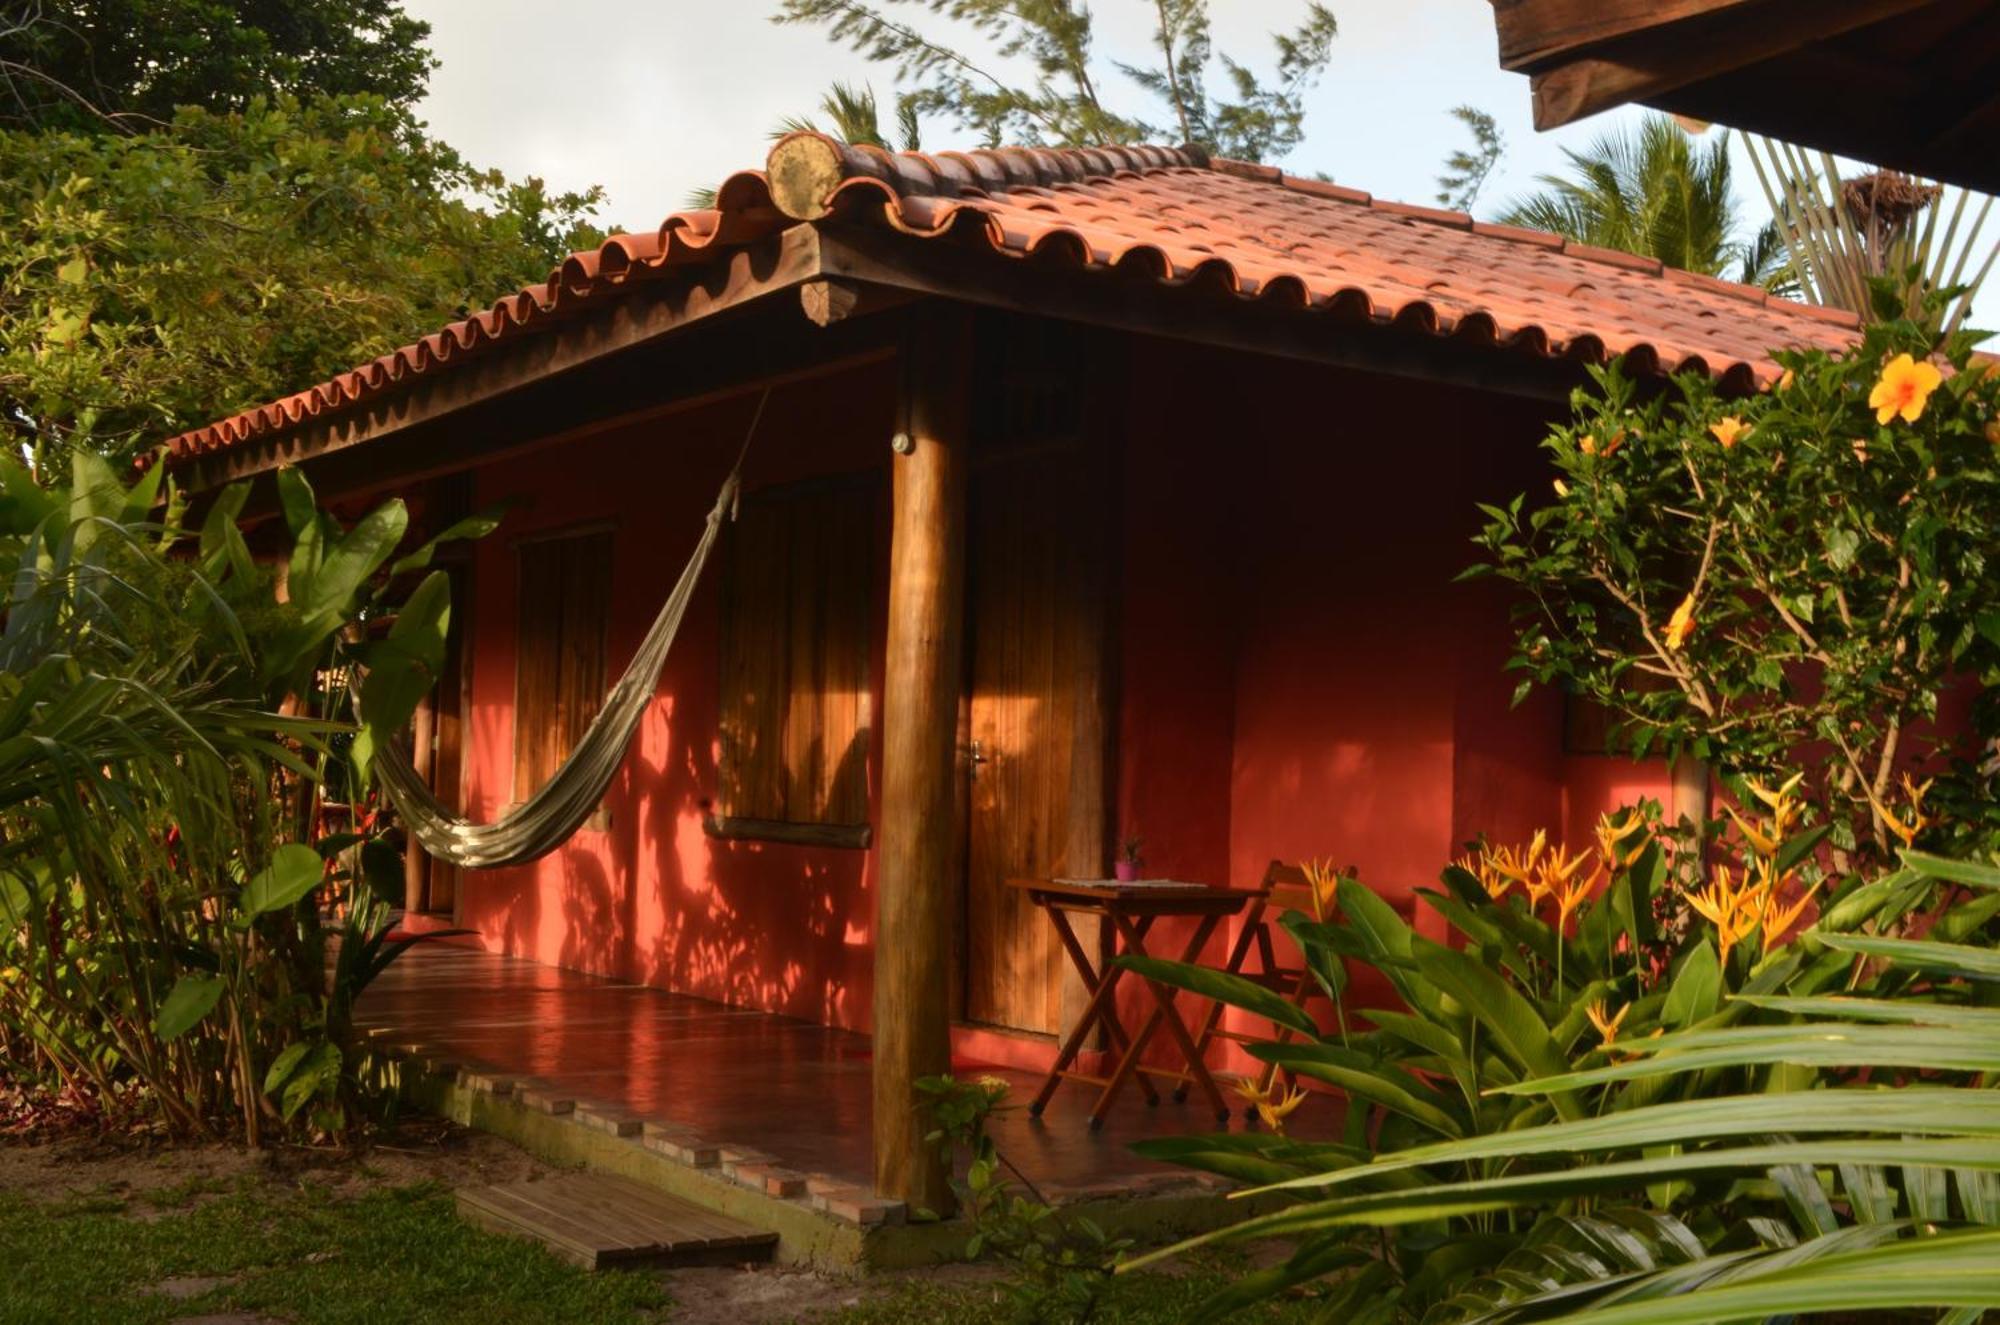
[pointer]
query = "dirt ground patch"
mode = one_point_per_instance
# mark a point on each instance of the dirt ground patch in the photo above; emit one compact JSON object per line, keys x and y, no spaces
{"x":422,"y":1150}
{"x":750,"y":1295}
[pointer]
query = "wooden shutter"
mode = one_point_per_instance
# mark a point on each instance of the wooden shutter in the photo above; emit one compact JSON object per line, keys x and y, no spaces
{"x":798,"y":595}
{"x":560,"y":674}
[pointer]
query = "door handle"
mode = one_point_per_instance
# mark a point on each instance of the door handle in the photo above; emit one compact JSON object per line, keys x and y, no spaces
{"x":976,"y":755}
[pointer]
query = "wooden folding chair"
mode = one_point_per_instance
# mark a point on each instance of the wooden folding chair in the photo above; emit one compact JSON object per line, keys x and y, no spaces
{"x":1285,"y":888}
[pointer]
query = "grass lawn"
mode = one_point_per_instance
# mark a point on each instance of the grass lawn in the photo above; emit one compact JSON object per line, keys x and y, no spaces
{"x":324,"y":1247}
{"x":393,"y":1254}
{"x":1138,"y":1299}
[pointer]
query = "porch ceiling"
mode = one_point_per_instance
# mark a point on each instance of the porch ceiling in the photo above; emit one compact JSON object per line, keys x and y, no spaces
{"x":1146,"y":237}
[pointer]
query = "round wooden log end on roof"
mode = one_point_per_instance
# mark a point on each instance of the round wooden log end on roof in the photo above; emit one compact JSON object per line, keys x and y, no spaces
{"x":803,"y":170}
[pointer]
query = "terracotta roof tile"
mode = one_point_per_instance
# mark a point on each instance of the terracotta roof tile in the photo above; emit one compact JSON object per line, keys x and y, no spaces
{"x":1177,"y":217}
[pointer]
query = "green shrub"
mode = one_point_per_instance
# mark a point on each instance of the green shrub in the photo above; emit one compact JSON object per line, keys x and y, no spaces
{"x":1788,"y":579}
{"x":162,"y":714}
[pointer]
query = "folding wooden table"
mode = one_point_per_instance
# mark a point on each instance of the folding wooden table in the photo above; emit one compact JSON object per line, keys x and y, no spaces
{"x":1128,"y":911}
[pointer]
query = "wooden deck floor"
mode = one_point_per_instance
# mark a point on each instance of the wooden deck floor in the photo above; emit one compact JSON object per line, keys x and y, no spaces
{"x":795,"y":1090}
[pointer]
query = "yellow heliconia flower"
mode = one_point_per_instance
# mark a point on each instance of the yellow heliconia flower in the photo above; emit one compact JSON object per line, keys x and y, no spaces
{"x":1501,"y":867}
{"x":1729,"y":906}
{"x":1913,"y":796}
{"x":1276,"y":1111}
{"x":1777,"y":918}
{"x":1505,"y":863}
{"x":1611,"y":835}
{"x":1680,"y":624}
{"x":1785,"y":381}
{"x":1324,"y":880}
{"x":1570,"y":892}
{"x":1493,"y":881}
{"x":1272,"y":1108}
{"x":1760,"y":842}
{"x":1607,"y":1026}
{"x":1903,"y":389}
{"x":1563,"y":877}
{"x":1781,"y":803}
{"x":1562,"y":488}
{"x":1728,"y":429}
{"x":1561,"y":867}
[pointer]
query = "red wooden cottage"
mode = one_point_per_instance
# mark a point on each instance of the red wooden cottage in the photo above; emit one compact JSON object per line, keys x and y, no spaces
{"x":1097,"y":493}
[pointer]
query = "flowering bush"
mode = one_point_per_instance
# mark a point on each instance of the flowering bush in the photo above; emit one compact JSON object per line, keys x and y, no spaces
{"x":1596,"y":1002}
{"x":1793,"y":578}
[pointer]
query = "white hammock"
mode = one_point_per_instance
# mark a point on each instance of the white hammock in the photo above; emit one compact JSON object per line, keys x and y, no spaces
{"x":547,"y":819}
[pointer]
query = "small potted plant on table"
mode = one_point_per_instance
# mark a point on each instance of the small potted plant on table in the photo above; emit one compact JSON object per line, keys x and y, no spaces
{"x":1129,"y":864}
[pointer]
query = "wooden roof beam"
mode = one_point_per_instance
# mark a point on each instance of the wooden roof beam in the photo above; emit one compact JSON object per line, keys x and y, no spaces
{"x":1699,"y":40}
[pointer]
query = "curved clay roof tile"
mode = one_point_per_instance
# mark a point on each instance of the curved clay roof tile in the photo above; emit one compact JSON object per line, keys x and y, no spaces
{"x":1164,"y":214}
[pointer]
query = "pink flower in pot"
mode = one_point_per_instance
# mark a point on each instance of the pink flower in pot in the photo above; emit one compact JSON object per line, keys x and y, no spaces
{"x":1128,"y":865}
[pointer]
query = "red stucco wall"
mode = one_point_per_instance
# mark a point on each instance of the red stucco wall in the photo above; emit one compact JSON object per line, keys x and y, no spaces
{"x":1298,"y":674}
{"x":651,"y":897}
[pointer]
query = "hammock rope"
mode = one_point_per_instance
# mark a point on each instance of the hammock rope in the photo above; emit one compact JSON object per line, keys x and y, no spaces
{"x":559,"y":807}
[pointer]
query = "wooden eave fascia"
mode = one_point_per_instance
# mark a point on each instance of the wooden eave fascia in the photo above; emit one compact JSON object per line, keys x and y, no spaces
{"x":1534,"y":32}
{"x":784,"y":262}
{"x":1586,"y":56}
{"x":1141,"y":305}
{"x":836,"y":274}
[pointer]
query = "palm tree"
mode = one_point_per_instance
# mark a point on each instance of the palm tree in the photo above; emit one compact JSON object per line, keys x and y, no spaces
{"x":1657,"y":192}
{"x":855,"y":118}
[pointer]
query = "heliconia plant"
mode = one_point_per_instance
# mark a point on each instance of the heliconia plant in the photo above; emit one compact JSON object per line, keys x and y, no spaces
{"x":1585,"y":1095}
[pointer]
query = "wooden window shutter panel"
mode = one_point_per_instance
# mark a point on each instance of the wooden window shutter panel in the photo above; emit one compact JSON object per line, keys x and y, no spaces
{"x":840,"y":786}
{"x":586,"y":619}
{"x":756,"y":603}
{"x":537,"y":633}
{"x":795,"y":718}
{"x":564,"y":620}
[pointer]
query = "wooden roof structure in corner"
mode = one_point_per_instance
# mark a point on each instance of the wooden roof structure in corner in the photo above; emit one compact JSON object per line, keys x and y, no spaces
{"x":1910,"y":84}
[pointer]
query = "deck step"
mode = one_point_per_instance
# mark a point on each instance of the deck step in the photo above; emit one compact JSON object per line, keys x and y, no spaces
{"x":599,"y":1221}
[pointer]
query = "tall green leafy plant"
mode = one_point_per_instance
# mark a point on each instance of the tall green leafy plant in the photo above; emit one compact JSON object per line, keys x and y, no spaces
{"x":1798,"y":1114}
{"x":1859,"y":1170}
{"x":161,"y":710}
{"x":156,"y":281}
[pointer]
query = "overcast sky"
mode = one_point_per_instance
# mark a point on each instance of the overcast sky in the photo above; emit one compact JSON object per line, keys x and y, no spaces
{"x":656,"y":98}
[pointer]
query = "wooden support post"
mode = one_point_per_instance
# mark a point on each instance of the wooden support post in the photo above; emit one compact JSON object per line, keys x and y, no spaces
{"x":920,"y":832}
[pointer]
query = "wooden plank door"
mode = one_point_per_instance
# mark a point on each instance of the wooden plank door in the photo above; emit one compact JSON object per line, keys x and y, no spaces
{"x":1036,"y":662}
